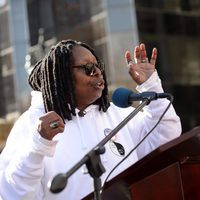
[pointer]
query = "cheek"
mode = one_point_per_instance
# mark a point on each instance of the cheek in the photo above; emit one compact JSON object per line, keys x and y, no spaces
{"x":82,"y":85}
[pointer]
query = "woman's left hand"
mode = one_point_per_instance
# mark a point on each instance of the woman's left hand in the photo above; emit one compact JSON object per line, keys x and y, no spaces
{"x":142,"y":69}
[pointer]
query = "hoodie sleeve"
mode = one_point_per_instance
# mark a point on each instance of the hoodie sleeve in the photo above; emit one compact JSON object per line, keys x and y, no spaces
{"x":21,"y":161}
{"x":168,"y":128}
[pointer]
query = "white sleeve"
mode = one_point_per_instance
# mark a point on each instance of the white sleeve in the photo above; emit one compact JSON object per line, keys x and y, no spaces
{"x":169,"y":127}
{"x":21,"y":162}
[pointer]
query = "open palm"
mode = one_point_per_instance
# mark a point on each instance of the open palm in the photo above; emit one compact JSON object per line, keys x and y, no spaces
{"x":142,"y":69}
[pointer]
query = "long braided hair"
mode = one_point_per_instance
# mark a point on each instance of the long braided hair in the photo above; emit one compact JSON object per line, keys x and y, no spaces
{"x":53,"y":77}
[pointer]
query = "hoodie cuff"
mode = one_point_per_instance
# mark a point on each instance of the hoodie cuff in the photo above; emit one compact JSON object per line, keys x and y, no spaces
{"x":153,"y":83}
{"x":43,"y":146}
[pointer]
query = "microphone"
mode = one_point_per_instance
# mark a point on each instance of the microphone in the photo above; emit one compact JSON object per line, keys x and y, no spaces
{"x":123,"y":97}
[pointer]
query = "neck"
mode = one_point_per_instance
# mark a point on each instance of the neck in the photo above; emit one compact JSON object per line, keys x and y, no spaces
{"x":82,"y":107}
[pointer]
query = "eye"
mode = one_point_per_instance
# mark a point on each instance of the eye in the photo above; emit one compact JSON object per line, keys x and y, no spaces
{"x":90,"y":69}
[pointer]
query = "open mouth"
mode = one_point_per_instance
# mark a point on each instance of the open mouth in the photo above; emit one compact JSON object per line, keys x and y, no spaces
{"x":99,"y":84}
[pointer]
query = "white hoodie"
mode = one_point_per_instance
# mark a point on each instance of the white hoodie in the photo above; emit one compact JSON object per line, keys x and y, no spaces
{"x":29,"y":161}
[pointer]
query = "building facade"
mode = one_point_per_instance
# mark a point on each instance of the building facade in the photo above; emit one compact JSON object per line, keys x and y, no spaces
{"x":111,"y":27}
{"x":174,"y":28}
{"x":14,"y":43}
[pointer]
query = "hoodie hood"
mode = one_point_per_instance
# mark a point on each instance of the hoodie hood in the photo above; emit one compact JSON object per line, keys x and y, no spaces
{"x":37,"y":100}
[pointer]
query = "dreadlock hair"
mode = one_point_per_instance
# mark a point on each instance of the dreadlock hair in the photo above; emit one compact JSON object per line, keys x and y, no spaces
{"x":53,"y":77}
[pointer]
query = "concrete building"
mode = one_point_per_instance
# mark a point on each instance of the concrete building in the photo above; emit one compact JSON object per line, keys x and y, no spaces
{"x":28,"y":28}
{"x":14,"y":43}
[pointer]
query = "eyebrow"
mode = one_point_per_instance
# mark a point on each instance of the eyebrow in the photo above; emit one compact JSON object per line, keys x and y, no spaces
{"x":96,"y":62}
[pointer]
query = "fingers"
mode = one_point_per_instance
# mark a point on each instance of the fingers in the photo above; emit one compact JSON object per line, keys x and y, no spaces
{"x":50,"y":125}
{"x":140,"y":55}
{"x":137,"y":54}
{"x":128,"y":57}
{"x":153,"y":56}
{"x":143,"y":53}
{"x":141,"y":69}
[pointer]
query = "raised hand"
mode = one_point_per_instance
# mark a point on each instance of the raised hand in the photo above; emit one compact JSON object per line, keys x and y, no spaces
{"x":50,"y":124}
{"x":142,"y":69}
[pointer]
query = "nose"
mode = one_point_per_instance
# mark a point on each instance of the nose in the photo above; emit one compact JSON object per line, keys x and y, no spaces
{"x":97,"y":72}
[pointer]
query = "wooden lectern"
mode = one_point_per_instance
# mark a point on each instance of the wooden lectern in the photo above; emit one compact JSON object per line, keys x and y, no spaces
{"x":170,"y":172}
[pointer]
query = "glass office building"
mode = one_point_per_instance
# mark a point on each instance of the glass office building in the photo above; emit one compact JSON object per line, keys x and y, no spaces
{"x":174,"y":27}
{"x":111,"y":27}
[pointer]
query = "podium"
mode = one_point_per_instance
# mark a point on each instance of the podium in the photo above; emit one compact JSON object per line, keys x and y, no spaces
{"x":172,"y":171}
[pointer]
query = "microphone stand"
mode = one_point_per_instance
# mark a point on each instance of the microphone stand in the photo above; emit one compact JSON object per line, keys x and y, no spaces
{"x":92,"y":159}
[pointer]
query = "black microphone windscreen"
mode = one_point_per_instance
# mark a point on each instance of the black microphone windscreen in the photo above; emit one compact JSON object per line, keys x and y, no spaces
{"x":120,"y":97}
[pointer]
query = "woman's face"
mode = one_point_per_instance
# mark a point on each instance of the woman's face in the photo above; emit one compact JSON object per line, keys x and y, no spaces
{"x":88,"y":87}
